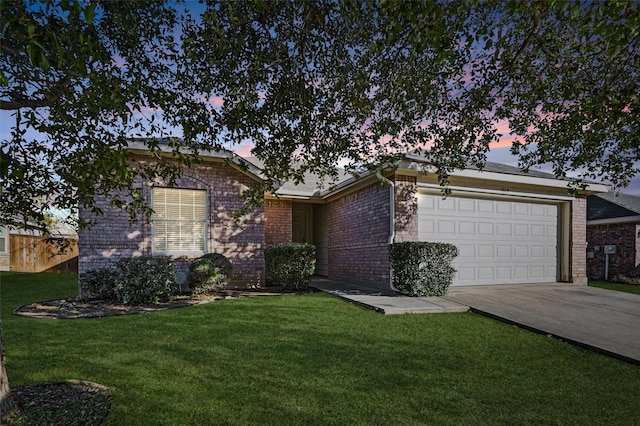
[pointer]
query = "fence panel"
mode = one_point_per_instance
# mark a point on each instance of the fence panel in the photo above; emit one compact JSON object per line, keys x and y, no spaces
{"x":31,"y":253}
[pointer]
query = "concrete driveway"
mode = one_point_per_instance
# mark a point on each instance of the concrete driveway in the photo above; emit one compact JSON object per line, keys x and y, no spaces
{"x":603,"y":320}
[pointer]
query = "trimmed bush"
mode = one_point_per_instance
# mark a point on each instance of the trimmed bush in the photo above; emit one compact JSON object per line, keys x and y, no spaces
{"x":142,"y":280}
{"x":209,"y":273}
{"x":98,"y":284}
{"x":422,"y":269}
{"x":291,"y":264}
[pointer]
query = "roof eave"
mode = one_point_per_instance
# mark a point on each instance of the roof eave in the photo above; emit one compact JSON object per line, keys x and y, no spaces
{"x":235,"y":160}
{"x":417,"y":167}
{"x":614,"y":220}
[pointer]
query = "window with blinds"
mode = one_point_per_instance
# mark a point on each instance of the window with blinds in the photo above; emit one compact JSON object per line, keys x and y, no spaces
{"x":179,"y":220}
{"x":3,"y":239}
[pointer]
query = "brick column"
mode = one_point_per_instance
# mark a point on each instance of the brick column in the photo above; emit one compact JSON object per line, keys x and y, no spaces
{"x":579,"y":240}
{"x":406,"y":208}
{"x":277,"y":216}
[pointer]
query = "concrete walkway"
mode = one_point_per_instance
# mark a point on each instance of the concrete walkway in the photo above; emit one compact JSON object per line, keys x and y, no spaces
{"x":387,"y":302}
{"x":601,"y":320}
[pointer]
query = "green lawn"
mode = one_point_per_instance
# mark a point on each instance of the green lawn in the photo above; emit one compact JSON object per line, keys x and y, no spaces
{"x":627,"y":288}
{"x":313,"y":359}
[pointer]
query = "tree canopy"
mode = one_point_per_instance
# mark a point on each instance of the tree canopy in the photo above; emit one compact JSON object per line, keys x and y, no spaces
{"x":310,"y":84}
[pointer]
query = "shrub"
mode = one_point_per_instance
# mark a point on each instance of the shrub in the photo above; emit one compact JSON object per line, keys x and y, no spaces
{"x":142,"y":280}
{"x":422,"y":269}
{"x":291,"y":264}
{"x":209,"y":273}
{"x":98,"y":284}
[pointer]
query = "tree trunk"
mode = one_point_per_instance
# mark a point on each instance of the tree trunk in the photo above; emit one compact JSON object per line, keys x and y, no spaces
{"x":7,"y":404}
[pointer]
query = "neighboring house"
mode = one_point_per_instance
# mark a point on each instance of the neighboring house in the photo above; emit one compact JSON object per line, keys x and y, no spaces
{"x":613,"y":222}
{"x":23,"y":250}
{"x":510,"y":227}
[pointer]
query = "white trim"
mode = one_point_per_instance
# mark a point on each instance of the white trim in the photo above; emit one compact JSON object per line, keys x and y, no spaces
{"x":614,"y":220}
{"x":502,"y":177}
{"x":492,"y":193}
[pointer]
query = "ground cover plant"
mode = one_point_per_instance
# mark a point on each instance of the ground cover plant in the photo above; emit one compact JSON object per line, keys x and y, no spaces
{"x":627,"y":288}
{"x":312,"y":359}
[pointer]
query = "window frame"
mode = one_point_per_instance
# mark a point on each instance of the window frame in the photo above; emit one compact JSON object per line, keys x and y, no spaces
{"x":4,"y":249}
{"x":205,"y":222}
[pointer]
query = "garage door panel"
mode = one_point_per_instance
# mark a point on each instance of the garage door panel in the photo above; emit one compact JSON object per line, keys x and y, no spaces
{"x":498,"y":241}
{"x":466,"y":205}
{"x":538,"y":230}
{"x":447,"y":227}
{"x":467,"y":250}
{"x":466,"y":228}
{"x":485,"y":273}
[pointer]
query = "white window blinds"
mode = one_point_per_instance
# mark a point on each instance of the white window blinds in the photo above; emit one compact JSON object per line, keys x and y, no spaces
{"x":3,"y":239}
{"x":179,"y":220}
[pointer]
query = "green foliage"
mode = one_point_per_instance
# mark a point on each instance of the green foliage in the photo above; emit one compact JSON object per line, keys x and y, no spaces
{"x":290,"y":265}
{"x":548,"y":72}
{"x":310,"y":84}
{"x":209,"y":273}
{"x":98,"y":284}
{"x":142,"y":280}
{"x":422,"y":269}
{"x":75,"y":76}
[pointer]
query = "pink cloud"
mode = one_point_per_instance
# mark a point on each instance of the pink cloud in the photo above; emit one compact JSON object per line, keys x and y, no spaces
{"x":216,"y":101}
{"x":244,"y":149}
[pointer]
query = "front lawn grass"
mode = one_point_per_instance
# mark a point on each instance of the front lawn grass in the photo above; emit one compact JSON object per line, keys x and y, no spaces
{"x":313,"y":359}
{"x":627,"y":288}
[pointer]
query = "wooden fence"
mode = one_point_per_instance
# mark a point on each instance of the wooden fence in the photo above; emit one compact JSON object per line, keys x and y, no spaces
{"x":30,"y":253}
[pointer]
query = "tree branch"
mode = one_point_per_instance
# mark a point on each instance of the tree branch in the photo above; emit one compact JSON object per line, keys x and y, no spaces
{"x":537,"y":15}
{"x":25,"y":103}
{"x":35,"y":103}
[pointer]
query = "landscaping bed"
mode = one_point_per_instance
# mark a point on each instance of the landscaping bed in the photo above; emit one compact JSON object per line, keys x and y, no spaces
{"x":68,"y":403}
{"x":69,"y":308}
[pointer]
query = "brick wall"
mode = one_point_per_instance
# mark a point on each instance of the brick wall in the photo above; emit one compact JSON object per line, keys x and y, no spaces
{"x":242,"y":240}
{"x":626,"y":236}
{"x":406,"y":208}
{"x":579,"y":240}
{"x":277,"y":219}
{"x":358,"y":227}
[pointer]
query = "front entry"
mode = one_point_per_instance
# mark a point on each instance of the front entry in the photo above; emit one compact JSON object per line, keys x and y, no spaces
{"x":301,"y":220}
{"x":309,"y":225}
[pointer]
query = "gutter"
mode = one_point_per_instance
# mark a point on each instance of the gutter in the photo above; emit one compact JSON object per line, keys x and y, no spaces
{"x":392,"y":222}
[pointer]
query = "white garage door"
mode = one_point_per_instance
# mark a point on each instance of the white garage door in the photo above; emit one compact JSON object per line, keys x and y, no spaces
{"x":499,"y":242}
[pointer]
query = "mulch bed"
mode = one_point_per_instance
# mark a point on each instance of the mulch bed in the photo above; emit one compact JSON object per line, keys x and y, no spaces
{"x":83,"y":403}
{"x":71,"y":308}
{"x":71,"y":403}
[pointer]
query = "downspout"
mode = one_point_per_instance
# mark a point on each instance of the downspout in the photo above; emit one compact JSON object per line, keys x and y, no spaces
{"x":392,"y":222}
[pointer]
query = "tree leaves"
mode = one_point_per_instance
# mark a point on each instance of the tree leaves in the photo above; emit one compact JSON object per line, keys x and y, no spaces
{"x":311,"y":84}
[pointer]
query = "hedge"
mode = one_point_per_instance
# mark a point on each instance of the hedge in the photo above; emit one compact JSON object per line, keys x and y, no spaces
{"x":421,"y":268}
{"x":142,"y":280}
{"x":290,"y":264}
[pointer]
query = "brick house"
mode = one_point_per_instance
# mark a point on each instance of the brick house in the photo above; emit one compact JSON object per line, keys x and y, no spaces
{"x":510,"y":227}
{"x":613,"y":220}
